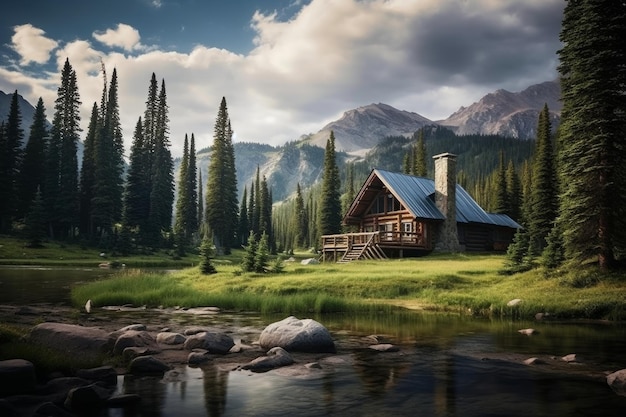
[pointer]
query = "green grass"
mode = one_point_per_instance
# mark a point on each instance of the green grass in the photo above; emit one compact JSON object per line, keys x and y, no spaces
{"x":463,"y":283}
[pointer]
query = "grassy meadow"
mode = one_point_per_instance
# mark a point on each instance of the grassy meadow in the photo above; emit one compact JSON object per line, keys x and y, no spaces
{"x":462,"y":283}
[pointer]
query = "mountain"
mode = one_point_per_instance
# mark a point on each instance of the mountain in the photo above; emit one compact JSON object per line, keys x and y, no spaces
{"x":508,"y":114}
{"x":27,"y":111}
{"x":361,"y":129}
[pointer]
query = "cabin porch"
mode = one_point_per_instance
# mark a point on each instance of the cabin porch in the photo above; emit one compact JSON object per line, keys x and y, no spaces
{"x":349,"y":247}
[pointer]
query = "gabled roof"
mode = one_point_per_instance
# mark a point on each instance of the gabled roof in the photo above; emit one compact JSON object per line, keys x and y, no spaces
{"x":417,"y":194}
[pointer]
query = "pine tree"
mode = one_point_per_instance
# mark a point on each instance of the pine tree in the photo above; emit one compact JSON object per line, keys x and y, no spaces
{"x":191,"y":210}
{"x":61,"y":196}
{"x":34,"y":221}
{"x":222,"y":205}
{"x":31,"y":172}
{"x":200,"y":207}
{"x":420,"y":167}
{"x":137,"y":191}
{"x":10,"y":161}
{"x":261,"y":258}
{"x":106,"y":201}
{"x":206,"y":253}
{"x":502,"y":204}
{"x":249,"y":258}
{"x":162,"y":185}
{"x":299,"y":220}
{"x":514,"y":191}
{"x":244,"y":227}
{"x":330,"y":203}
{"x":591,"y":142}
{"x":88,"y":173}
{"x":183,"y":201}
{"x":544,"y":194}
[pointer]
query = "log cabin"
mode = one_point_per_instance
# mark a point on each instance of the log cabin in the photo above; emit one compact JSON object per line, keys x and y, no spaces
{"x":397,"y":215}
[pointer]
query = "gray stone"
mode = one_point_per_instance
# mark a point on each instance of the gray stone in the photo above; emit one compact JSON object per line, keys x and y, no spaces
{"x":528,"y":332}
{"x":17,"y":376}
{"x":617,"y":382}
{"x":147,"y":365}
{"x":213,"y":342}
{"x":514,"y":302}
{"x":138,"y":327}
{"x":72,"y":340}
{"x":571,"y":358}
{"x":130,"y":353}
{"x":194,"y":330}
{"x":310,"y":261}
{"x":384,"y":347}
{"x":105,"y":374}
{"x":198,"y":357}
{"x":122,"y":400}
{"x":135,"y":338}
{"x":533,"y":361}
{"x":293,"y":334}
{"x":170,"y":338}
{"x":275,"y":358}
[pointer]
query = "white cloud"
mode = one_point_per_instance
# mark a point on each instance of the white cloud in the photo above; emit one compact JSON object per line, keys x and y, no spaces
{"x":31,"y":44}
{"x":125,"y":36}
{"x":427,"y":56}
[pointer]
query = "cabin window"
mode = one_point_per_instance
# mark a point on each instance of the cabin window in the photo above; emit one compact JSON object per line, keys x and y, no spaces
{"x":385,"y":203}
{"x":386,"y":231}
{"x":407,"y":231}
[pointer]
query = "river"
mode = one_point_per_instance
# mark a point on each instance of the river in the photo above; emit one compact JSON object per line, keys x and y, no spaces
{"x":448,"y":365}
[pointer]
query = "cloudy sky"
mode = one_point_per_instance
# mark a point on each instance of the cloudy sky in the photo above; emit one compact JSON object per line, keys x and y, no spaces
{"x":286,"y":67}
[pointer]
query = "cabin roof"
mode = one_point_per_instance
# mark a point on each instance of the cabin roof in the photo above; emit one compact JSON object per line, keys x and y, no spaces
{"x":417,"y":195}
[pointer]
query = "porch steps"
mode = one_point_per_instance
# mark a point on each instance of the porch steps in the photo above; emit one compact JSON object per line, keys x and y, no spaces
{"x":366,"y":251}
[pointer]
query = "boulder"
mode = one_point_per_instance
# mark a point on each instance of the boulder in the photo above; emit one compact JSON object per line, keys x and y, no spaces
{"x":198,"y":356}
{"x":571,"y":358}
{"x":130,"y":353}
{"x":138,"y":327}
{"x":617,"y":382}
{"x":293,"y":334}
{"x":147,"y":365}
{"x":275,"y":358}
{"x":86,"y":398}
{"x":105,"y":374}
{"x":533,"y":361}
{"x":213,"y":342}
{"x":514,"y":302}
{"x":135,"y":338}
{"x":170,"y":338}
{"x":528,"y":332}
{"x":190,"y":331}
{"x":310,"y":261}
{"x":72,"y":340}
{"x":17,"y":376}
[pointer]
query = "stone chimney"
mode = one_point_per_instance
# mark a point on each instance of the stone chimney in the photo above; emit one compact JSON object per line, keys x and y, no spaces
{"x":446,"y":239}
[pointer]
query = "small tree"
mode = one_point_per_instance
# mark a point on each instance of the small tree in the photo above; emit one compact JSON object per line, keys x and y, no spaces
{"x":248,"y":261}
{"x":261,"y":258}
{"x":553,"y":256}
{"x":206,"y":253}
{"x":517,"y":256}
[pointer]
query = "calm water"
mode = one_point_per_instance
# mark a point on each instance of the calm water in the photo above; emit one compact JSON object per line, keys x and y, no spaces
{"x":447,"y":366}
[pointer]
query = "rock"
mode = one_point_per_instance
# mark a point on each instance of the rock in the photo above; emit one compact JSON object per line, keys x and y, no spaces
{"x":86,"y":398}
{"x":194,"y":330}
{"x":170,"y":338}
{"x":310,"y":261}
{"x":293,"y":334}
{"x":72,"y":340}
{"x":213,"y":342}
{"x":571,"y":358}
{"x":528,"y":332}
{"x":133,"y":352}
{"x":313,"y":365}
{"x":384,"y":347}
{"x":147,"y":365}
{"x":198,"y":356}
{"x":51,"y":409}
{"x":135,"y":338}
{"x":138,"y":327}
{"x":17,"y":376}
{"x":105,"y":374}
{"x":122,"y":400}
{"x":617,"y":382}
{"x":88,"y":306}
{"x":533,"y":361}
{"x":275,"y":358}
{"x":514,"y":302}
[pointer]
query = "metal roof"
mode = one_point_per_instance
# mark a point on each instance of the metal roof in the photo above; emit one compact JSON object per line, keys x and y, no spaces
{"x":417,"y":194}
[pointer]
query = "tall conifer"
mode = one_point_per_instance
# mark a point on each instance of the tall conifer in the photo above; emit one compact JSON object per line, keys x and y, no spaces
{"x":31,"y":172}
{"x":330,"y":203}
{"x":10,"y":161}
{"x":591,"y":140}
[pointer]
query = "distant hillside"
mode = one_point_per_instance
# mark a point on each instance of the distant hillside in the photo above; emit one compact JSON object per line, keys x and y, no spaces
{"x":508,"y":114}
